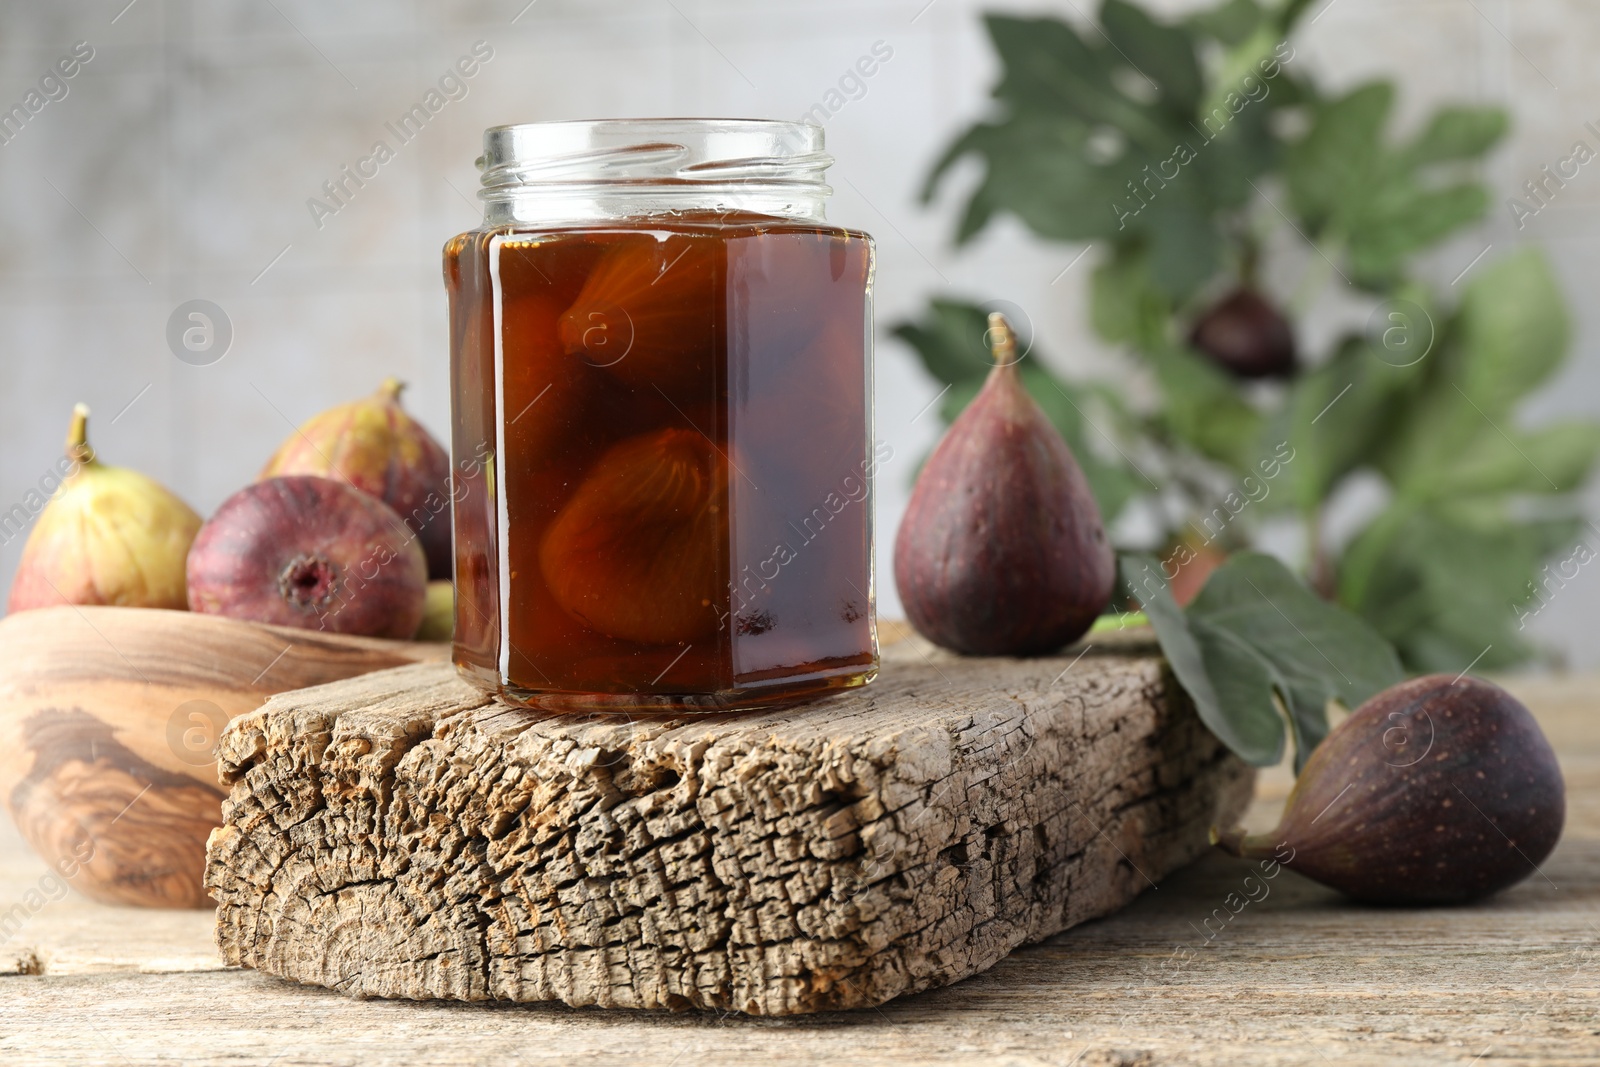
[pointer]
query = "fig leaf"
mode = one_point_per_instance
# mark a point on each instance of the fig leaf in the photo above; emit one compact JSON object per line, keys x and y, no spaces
{"x":1231,"y":23}
{"x":1385,"y":203}
{"x":1257,"y":637}
{"x":1082,"y":118}
{"x":1404,"y":572}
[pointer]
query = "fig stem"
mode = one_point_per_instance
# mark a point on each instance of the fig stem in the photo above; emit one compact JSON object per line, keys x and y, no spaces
{"x":1236,"y":842}
{"x":1002,"y":340}
{"x":78,"y":449}
{"x":1119,"y":620}
{"x":1249,"y":259}
{"x":391,"y":388}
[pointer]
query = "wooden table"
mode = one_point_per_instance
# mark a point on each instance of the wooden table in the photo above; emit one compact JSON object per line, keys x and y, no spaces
{"x":1300,"y":977}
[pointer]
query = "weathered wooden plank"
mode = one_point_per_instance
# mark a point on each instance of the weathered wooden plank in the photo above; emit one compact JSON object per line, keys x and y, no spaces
{"x":399,"y":835}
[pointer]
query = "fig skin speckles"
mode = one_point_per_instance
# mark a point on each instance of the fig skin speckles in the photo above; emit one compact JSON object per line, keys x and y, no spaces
{"x":1002,"y":551}
{"x":310,"y":552}
{"x":374,"y":445}
{"x":1435,"y":791}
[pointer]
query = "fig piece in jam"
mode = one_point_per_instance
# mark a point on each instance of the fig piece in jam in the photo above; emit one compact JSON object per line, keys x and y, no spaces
{"x":635,"y":551}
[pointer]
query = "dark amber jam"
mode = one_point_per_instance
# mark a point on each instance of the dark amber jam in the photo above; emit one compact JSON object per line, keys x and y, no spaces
{"x":662,"y":433}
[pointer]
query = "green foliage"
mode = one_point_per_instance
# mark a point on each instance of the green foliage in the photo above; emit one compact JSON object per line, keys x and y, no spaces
{"x":1385,"y":204}
{"x":1439,"y":582}
{"x":1116,"y":137}
{"x":1256,"y":633}
{"x":1179,"y":147}
{"x":951,"y":339}
{"x":1231,"y":24}
{"x":1441,"y":568}
{"x":1338,"y":417}
{"x":1458,"y":436}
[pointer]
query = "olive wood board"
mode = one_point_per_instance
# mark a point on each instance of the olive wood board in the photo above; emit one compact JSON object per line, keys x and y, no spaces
{"x":401,"y":835}
{"x":109,"y":718}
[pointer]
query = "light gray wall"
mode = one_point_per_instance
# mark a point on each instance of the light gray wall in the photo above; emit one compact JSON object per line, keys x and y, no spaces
{"x":180,"y":163}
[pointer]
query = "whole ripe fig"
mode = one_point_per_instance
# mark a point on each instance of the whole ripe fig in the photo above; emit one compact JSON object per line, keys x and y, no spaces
{"x":1246,"y":336}
{"x":108,"y":536}
{"x":375,"y":446}
{"x":1002,"y":550}
{"x":310,"y":552}
{"x":438,"y":612}
{"x":1435,"y":791}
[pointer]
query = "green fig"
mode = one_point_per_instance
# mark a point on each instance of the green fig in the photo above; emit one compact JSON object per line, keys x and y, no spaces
{"x":375,"y":446}
{"x":109,"y":535}
{"x":1435,"y":791}
{"x":438,"y":612}
{"x":1001,"y":551}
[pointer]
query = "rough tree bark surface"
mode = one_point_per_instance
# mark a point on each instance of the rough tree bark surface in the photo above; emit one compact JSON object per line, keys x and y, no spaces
{"x":400,"y":835}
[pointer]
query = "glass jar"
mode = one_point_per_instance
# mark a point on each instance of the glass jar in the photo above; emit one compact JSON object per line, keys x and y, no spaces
{"x":661,"y":366}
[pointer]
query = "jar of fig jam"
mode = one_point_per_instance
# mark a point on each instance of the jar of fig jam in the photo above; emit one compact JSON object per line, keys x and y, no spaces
{"x":661,"y":364}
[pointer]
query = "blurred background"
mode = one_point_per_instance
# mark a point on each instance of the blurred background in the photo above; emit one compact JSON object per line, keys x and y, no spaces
{"x":178,"y":161}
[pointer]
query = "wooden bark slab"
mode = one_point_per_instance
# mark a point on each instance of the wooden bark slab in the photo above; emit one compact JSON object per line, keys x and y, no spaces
{"x":399,"y":835}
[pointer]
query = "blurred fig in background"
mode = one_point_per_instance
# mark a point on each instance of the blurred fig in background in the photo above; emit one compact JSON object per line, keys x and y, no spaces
{"x":439,"y":612}
{"x":1246,"y":336}
{"x":375,"y":446}
{"x":1001,"y":551}
{"x":109,"y":535}
{"x":1188,"y":562}
{"x":310,"y":552}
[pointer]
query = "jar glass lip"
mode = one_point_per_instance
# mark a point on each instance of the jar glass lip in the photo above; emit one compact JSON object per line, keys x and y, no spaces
{"x":686,"y":121}
{"x":652,"y":151}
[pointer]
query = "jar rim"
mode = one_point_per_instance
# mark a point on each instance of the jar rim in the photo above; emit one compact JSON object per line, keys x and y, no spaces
{"x":657,"y":120}
{"x":652,"y":151}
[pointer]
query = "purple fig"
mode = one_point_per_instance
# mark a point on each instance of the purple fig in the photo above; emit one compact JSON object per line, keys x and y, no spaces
{"x":1002,"y":550}
{"x":1246,"y":336}
{"x":1435,"y":791}
{"x":375,"y":446}
{"x":310,"y":552}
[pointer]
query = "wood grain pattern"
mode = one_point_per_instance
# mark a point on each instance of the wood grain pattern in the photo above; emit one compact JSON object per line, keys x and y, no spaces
{"x":108,"y":722}
{"x":1301,"y":979}
{"x":400,"y":835}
